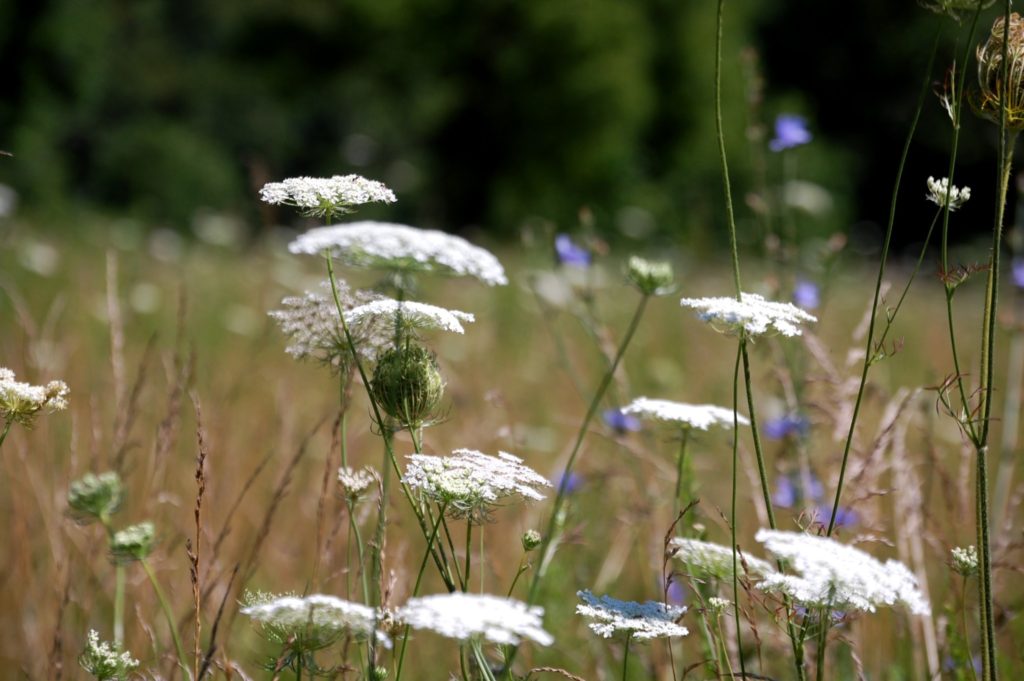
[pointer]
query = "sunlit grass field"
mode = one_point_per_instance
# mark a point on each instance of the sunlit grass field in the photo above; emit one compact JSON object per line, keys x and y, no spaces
{"x":166,"y":345}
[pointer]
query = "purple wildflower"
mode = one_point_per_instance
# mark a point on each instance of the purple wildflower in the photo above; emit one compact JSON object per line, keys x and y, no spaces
{"x":567,"y":484}
{"x":845,"y":517}
{"x":790,"y":131}
{"x":675,"y":593}
{"x":569,"y":253}
{"x":792,"y":490}
{"x":806,"y":294}
{"x":1017,"y":270}
{"x":620,"y":421}
{"x":790,"y":424}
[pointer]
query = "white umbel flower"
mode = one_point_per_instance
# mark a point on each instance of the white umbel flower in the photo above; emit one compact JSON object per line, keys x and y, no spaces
{"x":21,"y":402}
{"x":482,"y":617}
{"x":750,"y":316}
{"x":400,"y":247}
{"x":939,"y":189}
{"x":412,"y":315}
{"x":357,"y":482}
{"x":106,"y":661}
{"x":469,"y":482}
{"x":643,"y":621}
{"x":324,"y":196}
{"x":700,"y":416}
{"x":705,"y":559}
{"x":837,"y":576}
{"x":314,"y":621}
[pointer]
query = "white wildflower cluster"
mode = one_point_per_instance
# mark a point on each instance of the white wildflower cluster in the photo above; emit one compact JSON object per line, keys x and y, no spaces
{"x":400,"y":247}
{"x":407,"y":316}
{"x":938,"y":190}
{"x":750,"y":316}
{"x":705,"y":559}
{"x":469,"y":482}
{"x":326,"y":196}
{"x":311,"y":321}
{"x":356,"y":482}
{"x":701,"y":416}
{"x":837,"y":576}
{"x":311,"y":622}
{"x":21,"y":402}
{"x":964,"y":560}
{"x":715,"y":606}
{"x":106,"y":661}
{"x":465,"y":616}
{"x":642,"y":621}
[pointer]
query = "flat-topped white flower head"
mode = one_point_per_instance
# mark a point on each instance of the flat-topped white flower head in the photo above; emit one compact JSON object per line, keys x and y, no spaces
{"x":751,"y":316}
{"x":312,"y":622}
{"x":837,"y":576}
{"x":355,"y":482}
{"x":312,"y":324}
{"x":465,"y":616}
{"x":701,"y":416}
{"x":106,"y":661}
{"x":704,"y":559}
{"x":469,"y":483}
{"x":643,"y":621}
{"x":938,"y":190}
{"x":21,"y":402}
{"x":326,"y":196}
{"x":408,"y":315}
{"x":389,"y":246}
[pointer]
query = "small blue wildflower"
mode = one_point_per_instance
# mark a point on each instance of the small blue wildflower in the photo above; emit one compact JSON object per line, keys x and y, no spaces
{"x":675,"y":593}
{"x":621,"y":422}
{"x":806,"y":294}
{"x":790,"y":424}
{"x":785,"y":493}
{"x":569,"y":253}
{"x":568,"y":484}
{"x":790,"y":131}
{"x":1017,"y":270}
{"x":792,"y":490}
{"x":845,"y":516}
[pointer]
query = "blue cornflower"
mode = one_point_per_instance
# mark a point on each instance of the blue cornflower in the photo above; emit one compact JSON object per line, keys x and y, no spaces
{"x":790,"y":424}
{"x":806,"y":294}
{"x":793,"y":490}
{"x":785,"y":492}
{"x":621,"y":422}
{"x":1017,"y":271}
{"x":675,"y":593}
{"x":790,"y":131}
{"x":845,"y":516}
{"x":569,"y":253}
{"x":568,"y":484}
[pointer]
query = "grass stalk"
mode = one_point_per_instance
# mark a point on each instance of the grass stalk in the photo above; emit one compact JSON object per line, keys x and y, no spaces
{"x":165,"y":606}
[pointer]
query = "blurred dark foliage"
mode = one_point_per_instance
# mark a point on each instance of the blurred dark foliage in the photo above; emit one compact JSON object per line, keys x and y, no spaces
{"x":487,"y":114}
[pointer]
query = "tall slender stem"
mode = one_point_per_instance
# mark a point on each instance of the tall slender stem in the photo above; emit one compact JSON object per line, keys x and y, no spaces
{"x":3,"y":435}
{"x":869,"y":344}
{"x":625,"y":656}
{"x":733,"y":513}
{"x":733,"y":246}
{"x":680,"y":470}
{"x":166,"y":607}
{"x":119,"y":604}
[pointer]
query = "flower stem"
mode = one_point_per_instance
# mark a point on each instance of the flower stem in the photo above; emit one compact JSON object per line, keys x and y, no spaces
{"x":733,"y":246}
{"x":869,"y":345}
{"x":733,"y":514}
{"x":416,"y":587}
{"x":625,"y":656}
{"x":166,"y":607}
{"x":3,"y":435}
{"x":680,"y":467}
{"x":119,"y":605}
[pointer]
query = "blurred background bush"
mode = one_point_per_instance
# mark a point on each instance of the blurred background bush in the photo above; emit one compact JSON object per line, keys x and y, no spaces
{"x":483,"y":115}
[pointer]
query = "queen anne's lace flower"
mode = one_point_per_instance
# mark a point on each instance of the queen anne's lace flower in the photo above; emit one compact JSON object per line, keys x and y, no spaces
{"x":469,"y":482}
{"x":21,"y":402}
{"x":312,"y":622}
{"x":964,"y":560}
{"x":470,"y":616}
{"x":751,"y":316}
{"x":400,"y":247}
{"x":106,"y":661}
{"x":324,"y":196}
{"x":704,"y":559}
{"x":311,"y":321}
{"x":701,"y":416}
{"x":356,"y":482}
{"x":642,"y":621}
{"x":937,"y":190}
{"x":409,"y":315}
{"x":837,"y":576}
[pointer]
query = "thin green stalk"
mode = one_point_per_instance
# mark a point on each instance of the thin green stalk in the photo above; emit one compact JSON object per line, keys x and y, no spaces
{"x":758,"y":451}
{"x":119,"y":580}
{"x":481,"y":661}
{"x":3,"y":435}
{"x":469,"y":555}
{"x":720,"y":133}
{"x":963,"y":623}
{"x":166,"y":607}
{"x":547,"y":541}
{"x":825,"y":617}
{"x":416,"y":588}
{"x":870,"y":342}
{"x":725,"y":651}
{"x":455,"y":557}
{"x":625,"y":656}
{"x":733,"y":518}
{"x":680,"y":465}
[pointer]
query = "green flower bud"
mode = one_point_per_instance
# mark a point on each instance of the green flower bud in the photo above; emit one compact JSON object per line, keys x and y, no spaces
{"x":531,"y":540}
{"x":132,"y":543}
{"x":964,"y":561}
{"x":379,"y":673}
{"x":407,"y":384}
{"x":652,"y":278}
{"x":95,"y":497}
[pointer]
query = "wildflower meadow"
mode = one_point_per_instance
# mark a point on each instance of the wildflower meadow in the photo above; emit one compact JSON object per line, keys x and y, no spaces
{"x":356,"y":449}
